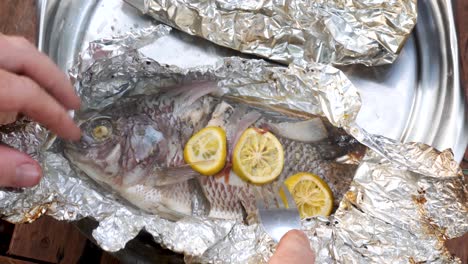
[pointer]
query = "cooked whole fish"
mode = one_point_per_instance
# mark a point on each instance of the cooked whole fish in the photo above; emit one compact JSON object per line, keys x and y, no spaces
{"x":136,"y":147}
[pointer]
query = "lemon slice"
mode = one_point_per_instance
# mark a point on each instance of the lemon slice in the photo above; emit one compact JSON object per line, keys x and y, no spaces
{"x":312,"y":195}
{"x":258,"y":157}
{"x":206,"y":151}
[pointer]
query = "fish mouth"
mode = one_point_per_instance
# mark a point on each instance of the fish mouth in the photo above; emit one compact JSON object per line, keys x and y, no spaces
{"x":73,"y":152}
{"x":80,"y":160}
{"x":79,"y":147}
{"x":76,"y":152}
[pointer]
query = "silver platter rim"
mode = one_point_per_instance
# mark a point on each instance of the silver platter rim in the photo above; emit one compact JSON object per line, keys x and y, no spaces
{"x":437,"y":112}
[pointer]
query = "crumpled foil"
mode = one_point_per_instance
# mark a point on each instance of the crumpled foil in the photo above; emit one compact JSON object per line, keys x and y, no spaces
{"x":339,"y":32}
{"x":404,"y":202}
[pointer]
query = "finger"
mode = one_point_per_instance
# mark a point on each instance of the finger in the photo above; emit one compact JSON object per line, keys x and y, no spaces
{"x":8,"y":118}
{"x":293,"y":248}
{"x":23,"y":58}
{"x":18,"y":93}
{"x":18,"y":169}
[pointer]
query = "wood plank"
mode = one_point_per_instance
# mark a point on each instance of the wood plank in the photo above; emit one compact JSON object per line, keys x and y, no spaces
{"x":19,"y":17}
{"x":462,"y":27}
{"x":8,"y":260}
{"x":6,"y":231}
{"x":459,"y":247}
{"x":47,"y":240}
{"x":107,"y":258}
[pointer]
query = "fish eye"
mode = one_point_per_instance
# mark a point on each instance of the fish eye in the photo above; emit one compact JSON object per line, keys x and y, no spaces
{"x":100,"y":129}
{"x":100,"y":132}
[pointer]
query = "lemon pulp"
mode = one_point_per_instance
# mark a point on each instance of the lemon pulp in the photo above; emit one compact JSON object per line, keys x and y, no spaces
{"x":258,"y":156}
{"x":312,"y":195}
{"x":206,"y":151}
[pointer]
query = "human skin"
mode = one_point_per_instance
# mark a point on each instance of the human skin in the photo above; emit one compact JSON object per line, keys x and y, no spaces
{"x":31,"y":84}
{"x":293,"y":248}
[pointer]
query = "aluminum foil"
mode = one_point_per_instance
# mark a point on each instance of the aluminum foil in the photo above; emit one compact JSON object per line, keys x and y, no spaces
{"x":393,"y":213}
{"x":405,"y":200}
{"x":340,"y":32}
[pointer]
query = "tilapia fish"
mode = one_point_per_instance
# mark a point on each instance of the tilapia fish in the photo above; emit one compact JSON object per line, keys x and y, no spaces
{"x":136,"y":147}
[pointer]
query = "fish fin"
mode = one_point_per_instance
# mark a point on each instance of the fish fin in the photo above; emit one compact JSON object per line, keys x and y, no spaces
{"x":200,"y":204}
{"x":232,"y":124}
{"x":186,"y":87}
{"x":353,"y":157}
{"x":244,"y":213}
{"x":169,"y":176}
{"x":199,"y":90}
{"x":238,"y":122}
{"x":191,"y":92}
{"x":136,"y":176}
{"x":237,"y":114}
{"x":334,"y":152}
{"x":241,"y":124}
{"x":249,"y":217}
{"x":350,"y":158}
{"x":309,"y":131}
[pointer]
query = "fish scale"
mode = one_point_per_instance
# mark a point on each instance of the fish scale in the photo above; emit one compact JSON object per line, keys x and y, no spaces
{"x":182,"y":126}
{"x":224,"y":199}
{"x":173,"y":120}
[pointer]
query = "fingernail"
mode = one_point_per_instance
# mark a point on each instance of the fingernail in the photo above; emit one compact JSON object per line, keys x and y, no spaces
{"x":301,"y":235}
{"x":27,"y":175}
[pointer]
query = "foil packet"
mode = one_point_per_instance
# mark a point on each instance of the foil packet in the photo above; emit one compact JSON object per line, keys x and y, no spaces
{"x":404,"y":202}
{"x":338,"y":32}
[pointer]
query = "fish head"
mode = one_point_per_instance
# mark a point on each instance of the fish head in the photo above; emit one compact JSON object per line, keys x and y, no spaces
{"x":118,"y":150}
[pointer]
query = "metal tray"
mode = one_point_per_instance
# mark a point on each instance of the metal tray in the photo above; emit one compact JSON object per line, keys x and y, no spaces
{"x":418,"y":98}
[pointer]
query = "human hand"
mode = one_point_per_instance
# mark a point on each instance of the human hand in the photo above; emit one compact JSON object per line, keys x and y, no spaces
{"x":293,"y":248}
{"x":31,"y":84}
{"x":7,"y":118}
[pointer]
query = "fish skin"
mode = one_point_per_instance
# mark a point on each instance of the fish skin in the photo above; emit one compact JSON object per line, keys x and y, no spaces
{"x":308,"y":158}
{"x":122,"y":156}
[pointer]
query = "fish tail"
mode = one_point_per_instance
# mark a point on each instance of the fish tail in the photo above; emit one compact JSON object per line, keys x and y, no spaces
{"x":338,"y":176}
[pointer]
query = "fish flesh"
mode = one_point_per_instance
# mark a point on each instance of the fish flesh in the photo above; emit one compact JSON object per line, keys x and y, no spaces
{"x":135,"y":147}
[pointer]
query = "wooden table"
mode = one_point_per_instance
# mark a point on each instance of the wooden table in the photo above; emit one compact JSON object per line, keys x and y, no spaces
{"x":462,"y":27}
{"x":50,"y":241}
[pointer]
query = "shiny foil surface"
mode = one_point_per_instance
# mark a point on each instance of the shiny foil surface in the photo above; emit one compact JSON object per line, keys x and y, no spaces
{"x":339,"y":32}
{"x":404,"y":202}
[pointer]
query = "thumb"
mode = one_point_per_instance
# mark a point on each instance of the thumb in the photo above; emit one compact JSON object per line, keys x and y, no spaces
{"x":18,"y":169}
{"x":293,"y":248}
{"x":7,"y":118}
